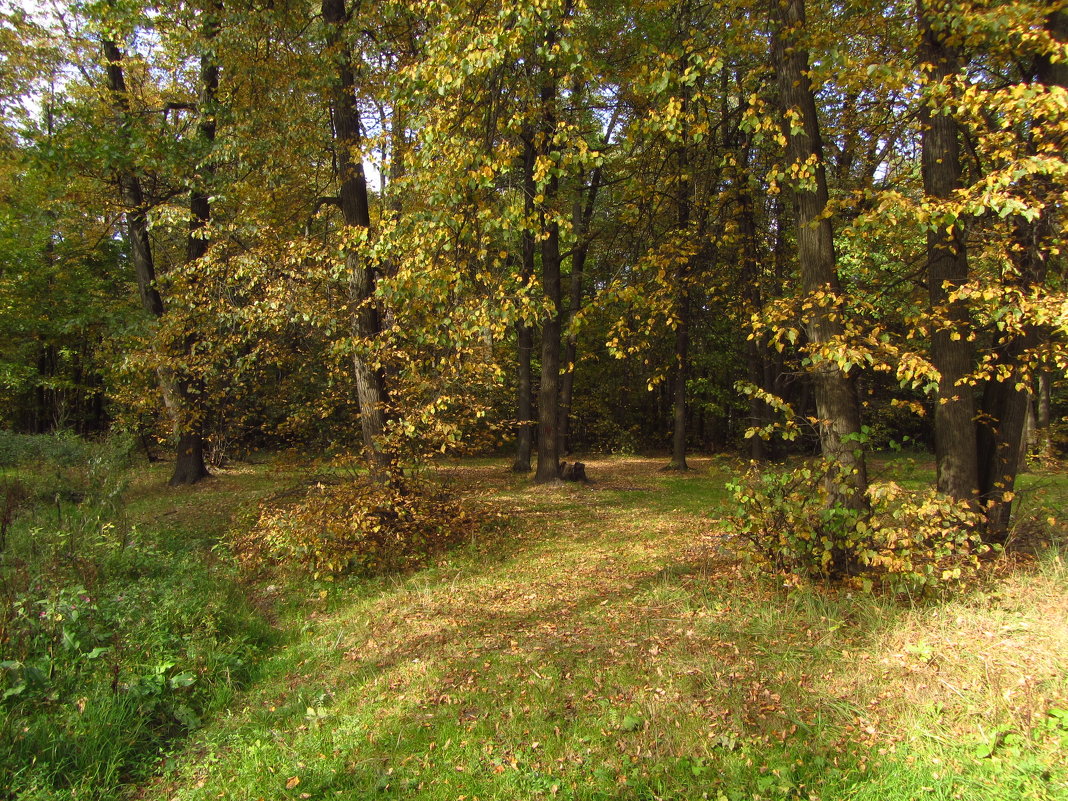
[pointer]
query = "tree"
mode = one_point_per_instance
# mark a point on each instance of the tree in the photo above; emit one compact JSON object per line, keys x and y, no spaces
{"x":355,"y":209}
{"x":836,"y":403}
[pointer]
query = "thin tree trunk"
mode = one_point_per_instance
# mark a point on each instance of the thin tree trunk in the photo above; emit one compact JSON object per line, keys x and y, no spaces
{"x":1042,"y":410}
{"x":952,"y":354}
{"x":352,"y":193}
{"x":682,"y":373}
{"x":133,"y":196}
{"x":189,"y":450}
{"x":581,"y":221}
{"x":755,"y":346}
{"x":549,"y":391}
{"x":836,"y":402}
{"x":682,"y":310}
{"x":525,"y":331}
{"x":190,"y":467}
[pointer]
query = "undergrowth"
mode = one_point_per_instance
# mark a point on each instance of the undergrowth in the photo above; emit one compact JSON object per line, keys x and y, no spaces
{"x":911,"y":542}
{"x":116,"y":638}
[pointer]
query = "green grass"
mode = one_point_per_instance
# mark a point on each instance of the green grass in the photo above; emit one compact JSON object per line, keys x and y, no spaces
{"x":588,"y":642}
{"x":121,"y":629}
{"x":604,"y":642}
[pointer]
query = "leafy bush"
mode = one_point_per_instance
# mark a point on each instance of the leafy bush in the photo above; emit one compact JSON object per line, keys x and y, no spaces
{"x":95,"y":682}
{"x":908,"y":541}
{"x":355,"y":526}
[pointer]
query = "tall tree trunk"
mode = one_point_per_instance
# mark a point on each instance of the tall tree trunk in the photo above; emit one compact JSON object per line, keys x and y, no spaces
{"x":524,"y":330}
{"x":1004,"y":411}
{"x":683,"y":208}
{"x":952,"y":354}
{"x":582,"y":218}
{"x":190,"y":467}
{"x":1042,"y":413}
{"x":352,"y":193}
{"x":678,"y":391}
{"x":549,"y":391}
{"x":133,"y":197}
{"x":836,"y":402}
{"x":756,"y":351}
{"x":189,"y":464}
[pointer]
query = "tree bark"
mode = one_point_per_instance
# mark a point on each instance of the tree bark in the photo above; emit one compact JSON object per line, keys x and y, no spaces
{"x":189,"y":454}
{"x":525,"y":331}
{"x":836,"y":402}
{"x":190,"y":466}
{"x":549,"y":391}
{"x":352,"y":193}
{"x":682,"y":301}
{"x":133,"y":197}
{"x":581,"y":220}
{"x":1004,"y":411}
{"x":756,"y":351}
{"x":682,"y":374}
{"x":952,"y":354}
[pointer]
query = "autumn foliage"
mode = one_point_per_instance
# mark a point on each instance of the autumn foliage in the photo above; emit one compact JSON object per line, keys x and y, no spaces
{"x":353,"y":526}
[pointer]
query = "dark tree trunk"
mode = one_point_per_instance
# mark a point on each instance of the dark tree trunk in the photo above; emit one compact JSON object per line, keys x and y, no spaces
{"x":133,"y":197}
{"x":189,"y":459}
{"x":756,"y":351}
{"x":1004,"y":412}
{"x":682,"y":307}
{"x":352,"y":194}
{"x":582,"y":219}
{"x":189,"y":466}
{"x":549,"y":391}
{"x":952,"y":354}
{"x":678,"y":392}
{"x":525,"y":331}
{"x":836,"y":402}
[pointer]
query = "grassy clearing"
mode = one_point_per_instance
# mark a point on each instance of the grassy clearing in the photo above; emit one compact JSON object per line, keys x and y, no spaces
{"x":605,"y":642}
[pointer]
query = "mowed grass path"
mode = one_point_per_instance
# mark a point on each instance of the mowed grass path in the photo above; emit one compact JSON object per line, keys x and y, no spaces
{"x":606,"y":642}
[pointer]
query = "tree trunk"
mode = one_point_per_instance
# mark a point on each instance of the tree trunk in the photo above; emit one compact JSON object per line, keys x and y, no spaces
{"x":525,"y":331}
{"x":189,"y":460}
{"x":1003,"y":418}
{"x":682,"y":373}
{"x":952,"y":354}
{"x":549,"y":392}
{"x":133,"y":197}
{"x":836,"y":402}
{"x":189,"y":466}
{"x":581,"y":221}
{"x":756,"y":351}
{"x":682,"y":302}
{"x":352,"y":193}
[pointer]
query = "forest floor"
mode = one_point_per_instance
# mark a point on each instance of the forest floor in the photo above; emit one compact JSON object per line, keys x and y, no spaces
{"x":606,"y":642}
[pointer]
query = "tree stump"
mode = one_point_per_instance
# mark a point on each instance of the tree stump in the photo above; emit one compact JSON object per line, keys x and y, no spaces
{"x":575,"y":471}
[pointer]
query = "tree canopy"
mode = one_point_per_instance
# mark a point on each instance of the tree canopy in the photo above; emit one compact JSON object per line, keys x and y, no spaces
{"x":408,"y":228}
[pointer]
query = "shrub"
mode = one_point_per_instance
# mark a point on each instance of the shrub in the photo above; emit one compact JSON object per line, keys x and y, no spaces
{"x":907,"y":542}
{"x":357,"y":526}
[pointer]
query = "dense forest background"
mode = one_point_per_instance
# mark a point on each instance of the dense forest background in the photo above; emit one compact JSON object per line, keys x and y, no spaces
{"x":411,"y":228}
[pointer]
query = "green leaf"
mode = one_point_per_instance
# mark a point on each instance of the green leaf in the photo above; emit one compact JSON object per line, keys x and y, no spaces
{"x":631,"y":723}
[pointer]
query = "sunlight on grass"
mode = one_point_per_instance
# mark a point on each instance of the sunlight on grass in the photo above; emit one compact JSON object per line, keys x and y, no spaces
{"x":603,"y":642}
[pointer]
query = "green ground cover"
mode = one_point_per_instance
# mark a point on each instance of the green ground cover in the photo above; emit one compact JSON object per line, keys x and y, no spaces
{"x":595,"y":642}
